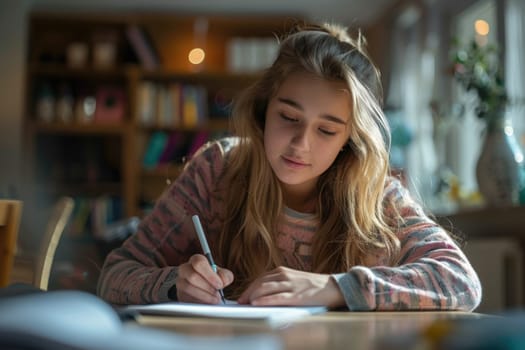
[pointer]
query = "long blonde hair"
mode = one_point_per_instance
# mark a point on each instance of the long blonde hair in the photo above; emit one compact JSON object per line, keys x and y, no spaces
{"x":350,"y":193}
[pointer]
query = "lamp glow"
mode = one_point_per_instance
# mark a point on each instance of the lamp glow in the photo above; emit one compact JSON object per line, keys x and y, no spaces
{"x":196,"y":56}
{"x":482,"y":27}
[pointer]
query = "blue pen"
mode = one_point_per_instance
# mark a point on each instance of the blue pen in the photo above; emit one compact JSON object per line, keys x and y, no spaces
{"x":205,"y":247}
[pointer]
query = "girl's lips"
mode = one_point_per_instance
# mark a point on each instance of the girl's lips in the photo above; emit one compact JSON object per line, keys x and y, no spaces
{"x":294,"y":163}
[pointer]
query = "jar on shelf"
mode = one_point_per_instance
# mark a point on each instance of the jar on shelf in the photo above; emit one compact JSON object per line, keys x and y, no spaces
{"x":45,"y":102}
{"x":64,"y":104}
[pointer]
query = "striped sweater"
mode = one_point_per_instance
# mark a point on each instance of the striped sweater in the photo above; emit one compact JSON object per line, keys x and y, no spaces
{"x":432,"y":272}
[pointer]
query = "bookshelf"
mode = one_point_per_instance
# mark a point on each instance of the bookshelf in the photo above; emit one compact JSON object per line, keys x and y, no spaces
{"x":92,"y":106}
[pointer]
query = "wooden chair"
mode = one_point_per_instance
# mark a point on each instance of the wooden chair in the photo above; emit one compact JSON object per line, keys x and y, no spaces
{"x":55,"y":227}
{"x":10,"y":213}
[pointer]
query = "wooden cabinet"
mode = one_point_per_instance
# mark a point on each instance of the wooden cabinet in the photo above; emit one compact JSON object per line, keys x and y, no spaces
{"x":87,"y":127}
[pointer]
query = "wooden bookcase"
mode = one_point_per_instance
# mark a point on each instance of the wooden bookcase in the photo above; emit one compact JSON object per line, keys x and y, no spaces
{"x":74,"y":59}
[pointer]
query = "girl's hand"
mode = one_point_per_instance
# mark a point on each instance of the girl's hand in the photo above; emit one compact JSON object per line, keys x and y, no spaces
{"x":198,"y":283}
{"x":285,"y":286}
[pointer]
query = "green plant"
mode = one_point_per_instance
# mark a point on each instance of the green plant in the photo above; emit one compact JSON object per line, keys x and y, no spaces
{"x":476,"y":68}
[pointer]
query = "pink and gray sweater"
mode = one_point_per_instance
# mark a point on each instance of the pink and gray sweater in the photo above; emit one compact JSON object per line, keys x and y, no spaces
{"x":432,"y":272}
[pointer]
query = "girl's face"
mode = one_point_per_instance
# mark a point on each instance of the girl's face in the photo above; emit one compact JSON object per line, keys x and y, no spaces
{"x":307,"y":125}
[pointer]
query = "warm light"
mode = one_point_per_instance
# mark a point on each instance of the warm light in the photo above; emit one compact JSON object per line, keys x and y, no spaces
{"x":482,"y":27}
{"x":196,"y":55}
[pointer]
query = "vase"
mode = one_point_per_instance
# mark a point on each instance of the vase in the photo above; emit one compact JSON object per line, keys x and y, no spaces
{"x":499,"y":167}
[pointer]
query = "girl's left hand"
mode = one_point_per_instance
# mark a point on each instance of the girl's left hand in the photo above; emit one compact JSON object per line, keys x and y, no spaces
{"x":285,"y":286}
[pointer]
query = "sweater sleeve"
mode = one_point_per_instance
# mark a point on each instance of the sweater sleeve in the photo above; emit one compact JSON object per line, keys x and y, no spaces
{"x":432,"y":272}
{"x":144,"y":268}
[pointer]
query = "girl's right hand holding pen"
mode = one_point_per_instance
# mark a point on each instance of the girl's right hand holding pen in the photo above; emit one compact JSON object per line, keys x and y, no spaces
{"x":198,"y":283}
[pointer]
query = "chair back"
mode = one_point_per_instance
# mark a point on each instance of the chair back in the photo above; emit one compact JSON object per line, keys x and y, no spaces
{"x":60,"y":215}
{"x":10,"y":213}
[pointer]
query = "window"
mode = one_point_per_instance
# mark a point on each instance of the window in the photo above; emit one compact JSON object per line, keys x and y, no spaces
{"x":514,"y":63}
{"x":465,"y":139}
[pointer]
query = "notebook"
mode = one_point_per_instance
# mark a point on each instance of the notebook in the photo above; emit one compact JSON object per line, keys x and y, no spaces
{"x":274,"y":315}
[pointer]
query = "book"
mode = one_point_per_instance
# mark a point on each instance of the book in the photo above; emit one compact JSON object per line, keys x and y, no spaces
{"x":154,"y":149}
{"x":100,"y":215}
{"x":143,"y":47}
{"x":199,"y":139}
{"x":175,"y":141}
{"x":80,"y":220}
{"x":272,"y":315}
{"x":190,"y":100}
{"x":164,"y":106}
{"x":175,"y":91}
{"x":194,"y":105}
{"x":147,"y":94}
{"x":202,"y":104}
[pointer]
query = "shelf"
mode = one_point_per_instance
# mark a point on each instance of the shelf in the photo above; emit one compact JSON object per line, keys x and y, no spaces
{"x":207,"y":78}
{"x":212,"y":124}
{"x":78,"y":128}
{"x":63,"y":71}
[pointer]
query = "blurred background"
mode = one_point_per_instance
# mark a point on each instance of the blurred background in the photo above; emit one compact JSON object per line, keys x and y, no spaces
{"x":103,"y":101}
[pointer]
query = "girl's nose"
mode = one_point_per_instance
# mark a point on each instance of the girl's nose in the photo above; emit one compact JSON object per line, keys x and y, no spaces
{"x":301,"y":139}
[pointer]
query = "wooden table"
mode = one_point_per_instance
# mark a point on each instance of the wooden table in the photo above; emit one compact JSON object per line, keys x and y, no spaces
{"x":333,"y":330}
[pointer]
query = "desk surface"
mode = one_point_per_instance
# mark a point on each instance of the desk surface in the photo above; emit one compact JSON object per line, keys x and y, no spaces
{"x":333,"y":330}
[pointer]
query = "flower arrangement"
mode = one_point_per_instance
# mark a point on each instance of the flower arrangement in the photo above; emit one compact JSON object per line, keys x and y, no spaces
{"x":476,"y":68}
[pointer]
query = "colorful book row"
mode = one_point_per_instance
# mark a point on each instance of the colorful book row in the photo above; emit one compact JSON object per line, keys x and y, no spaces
{"x":172,"y":105}
{"x":174,"y":147}
{"x":92,"y":215}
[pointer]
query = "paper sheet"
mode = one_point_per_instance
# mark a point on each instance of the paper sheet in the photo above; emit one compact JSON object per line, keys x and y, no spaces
{"x":281,"y":314}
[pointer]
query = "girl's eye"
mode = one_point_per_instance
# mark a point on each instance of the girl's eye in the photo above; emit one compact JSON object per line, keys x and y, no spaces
{"x":287,"y":118}
{"x":326,"y":132}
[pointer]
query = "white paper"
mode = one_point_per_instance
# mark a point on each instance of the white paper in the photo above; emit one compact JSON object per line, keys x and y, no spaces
{"x":279,"y":314}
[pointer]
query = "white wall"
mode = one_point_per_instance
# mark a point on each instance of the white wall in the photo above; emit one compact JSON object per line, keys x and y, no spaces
{"x":501,"y":275}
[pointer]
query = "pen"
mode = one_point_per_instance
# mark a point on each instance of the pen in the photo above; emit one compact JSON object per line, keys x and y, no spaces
{"x":205,"y":247}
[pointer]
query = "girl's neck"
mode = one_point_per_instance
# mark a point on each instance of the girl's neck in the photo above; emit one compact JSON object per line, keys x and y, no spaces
{"x":303,"y":202}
